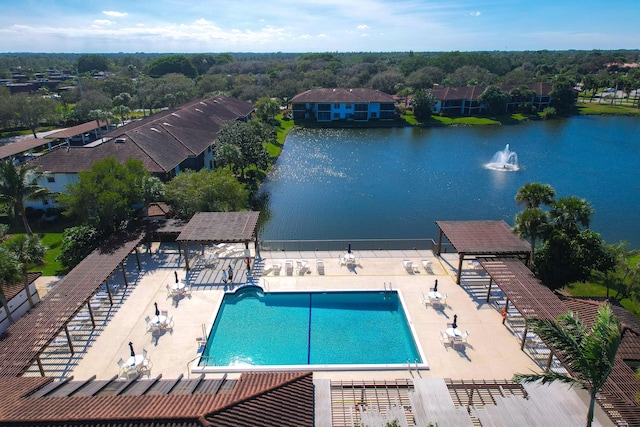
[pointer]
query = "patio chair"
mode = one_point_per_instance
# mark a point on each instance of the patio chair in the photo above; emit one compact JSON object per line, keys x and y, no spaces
{"x":342,"y":261}
{"x":288,"y":267}
{"x":145,"y":369}
{"x":443,"y":300}
{"x":164,"y":313}
{"x":425,"y":299}
{"x":122,"y":368}
{"x":169,"y":324}
{"x":320,"y":266}
{"x":465,"y":336}
{"x":302,"y":267}
{"x":428,"y":265}
{"x":457,"y":342}
{"x":276,"y":269}
{"x":267,"y":269}
{"x":444,"y":338}
{"x":408,"y":265}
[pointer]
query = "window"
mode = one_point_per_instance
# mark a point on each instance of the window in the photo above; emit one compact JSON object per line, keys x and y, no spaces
{"x":51,"y":179}
{"x":324,"y":107}
{"x":336,"y":105}
{"x":348,"y":106}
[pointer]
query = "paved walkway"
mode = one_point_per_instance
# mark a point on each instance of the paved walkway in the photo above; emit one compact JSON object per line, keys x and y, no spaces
{"x":493,"y":351}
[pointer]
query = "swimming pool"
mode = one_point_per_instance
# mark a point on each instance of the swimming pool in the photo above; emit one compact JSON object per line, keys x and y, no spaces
{"x":340,"y":330}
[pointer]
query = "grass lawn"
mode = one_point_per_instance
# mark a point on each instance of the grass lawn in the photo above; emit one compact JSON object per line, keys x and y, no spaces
{"x":593,"y":108}
{"x":285,"y":127}
{"x":590,"y":289}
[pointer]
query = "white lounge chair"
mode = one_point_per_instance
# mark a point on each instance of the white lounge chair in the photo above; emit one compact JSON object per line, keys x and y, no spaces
{"x":288,"y":267}
{"x":267,"y":269}
{"x":302,"y":267}
{"x":428,"y":265}
{"x":320,"y":266}
{"x":276,"y":269}
{"x":425,"y":299}
{"x":408,"y":265}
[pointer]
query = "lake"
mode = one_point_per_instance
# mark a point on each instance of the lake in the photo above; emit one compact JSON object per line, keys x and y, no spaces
{"x":395,"y":183}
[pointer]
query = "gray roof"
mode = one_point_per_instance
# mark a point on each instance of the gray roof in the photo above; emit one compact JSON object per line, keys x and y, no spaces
{"x":162,"y":141}
{"x":337,"y":95}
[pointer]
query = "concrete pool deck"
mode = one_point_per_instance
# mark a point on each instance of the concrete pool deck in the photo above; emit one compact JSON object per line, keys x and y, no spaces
{"x":493,"y":351}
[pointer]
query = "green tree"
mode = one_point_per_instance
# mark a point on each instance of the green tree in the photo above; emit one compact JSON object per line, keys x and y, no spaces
{"x":249,"y":137}
{"x":93,"y":62}
{"x":77,"y":243}
{"x":104,"y":196}
{"x":531,"y":223}
{"x":228,"y":155}
{"x":267,"y":108}
{"x":206,"y":191}
{"x":422,"y":104}
{"x":495,"y":99}
{"x":624,"y":277}
{"x":9,"y":274}
{"x":33,"y":110}
{"x":168,"y":64}
{"x":29,"y":250}
{"x":563,"y":94}
{"x":534,"y":194}
{"x":570,"y":214}
{"x":589,"y":354}
{"x":18,"y":185}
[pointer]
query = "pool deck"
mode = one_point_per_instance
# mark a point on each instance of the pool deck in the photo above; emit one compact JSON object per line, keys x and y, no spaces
{"x":493,"y":351}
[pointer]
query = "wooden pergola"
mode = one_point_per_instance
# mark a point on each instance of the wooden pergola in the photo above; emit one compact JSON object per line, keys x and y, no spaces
{"x":473,"y":239}
{"x":219,"y":227}
{"x":24,"y":341}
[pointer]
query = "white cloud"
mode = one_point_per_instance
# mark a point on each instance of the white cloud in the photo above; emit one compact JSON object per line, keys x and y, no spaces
{"x":102,"y":22}
{"x":114,"y":13}
{"x":363,"y":27}
{"x":476,"y":13}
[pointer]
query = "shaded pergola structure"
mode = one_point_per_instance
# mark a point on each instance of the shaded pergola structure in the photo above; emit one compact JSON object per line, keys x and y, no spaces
{"x":24,"y":341}
{"x":473,"y":239}
{"x":219,"y":227}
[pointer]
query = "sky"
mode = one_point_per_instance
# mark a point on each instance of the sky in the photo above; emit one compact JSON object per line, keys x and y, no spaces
{"x":192,"y":26}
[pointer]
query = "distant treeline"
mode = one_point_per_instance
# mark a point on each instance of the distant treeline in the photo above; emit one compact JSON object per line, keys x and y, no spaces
{"x":115,"y":82}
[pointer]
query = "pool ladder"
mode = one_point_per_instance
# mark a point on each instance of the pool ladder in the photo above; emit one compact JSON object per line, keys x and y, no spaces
{"x":385,"y":287}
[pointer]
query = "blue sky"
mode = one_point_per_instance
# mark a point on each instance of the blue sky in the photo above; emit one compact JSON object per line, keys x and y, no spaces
{"x":316,"y":25}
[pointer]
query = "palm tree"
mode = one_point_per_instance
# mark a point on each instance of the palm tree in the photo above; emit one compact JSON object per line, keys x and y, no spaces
{"x":28,"y":250}
{"x":9,"y":274}
{"x":18,"y":185}
{"x":589,"y":355}
{"x":531,"y":223}
{"x":534,"y":194}
{"x":569,"y":213}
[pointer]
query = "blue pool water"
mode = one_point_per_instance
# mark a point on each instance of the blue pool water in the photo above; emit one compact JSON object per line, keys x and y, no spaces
{"x":310,"y":328}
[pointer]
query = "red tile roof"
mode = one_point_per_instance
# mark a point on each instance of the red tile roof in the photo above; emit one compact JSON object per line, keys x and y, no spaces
{"x":265,"y":399}
{"x":338,"y":95}
{"x":11,"y":291}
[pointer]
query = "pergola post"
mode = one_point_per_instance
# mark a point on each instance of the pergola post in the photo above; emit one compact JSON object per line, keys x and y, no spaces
{"x":40,"y":367}
{"x":124,"y":274}
{"x":186,"y":256}
{"x":66,"y":331}
{"x":93,"y":320}
{"x":506,"y":309}
{"x":439,"y":251}
{"x":489,"y":291}
{"x":548,"y":367}
{"x":137,"y":258}
{"x":524,"y":337}
{"x":106,"y":284}
{"x":460,"y":259}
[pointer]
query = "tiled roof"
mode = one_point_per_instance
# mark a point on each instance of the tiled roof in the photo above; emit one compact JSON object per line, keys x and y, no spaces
{"x":161,"y":141}
{"x":265,"y":399}
{"x":473,"y":92}
{"x":337,"y":95}
{"x":11,"y":291}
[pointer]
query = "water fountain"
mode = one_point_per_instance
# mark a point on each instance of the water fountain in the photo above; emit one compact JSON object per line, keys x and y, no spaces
{"x":505,"y":160}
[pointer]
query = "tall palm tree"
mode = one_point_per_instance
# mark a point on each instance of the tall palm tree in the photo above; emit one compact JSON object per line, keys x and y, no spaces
{"x":570,"y":213}
{"x":18,"y":185}
{"x":534,"y":194}
{"x":531,"y":223}
{"x":28,"y":250}
{"x":9,"y":274}
{"x":589,"y":355}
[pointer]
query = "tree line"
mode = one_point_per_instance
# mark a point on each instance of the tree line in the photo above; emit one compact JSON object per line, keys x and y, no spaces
{"x":143,"y":82}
